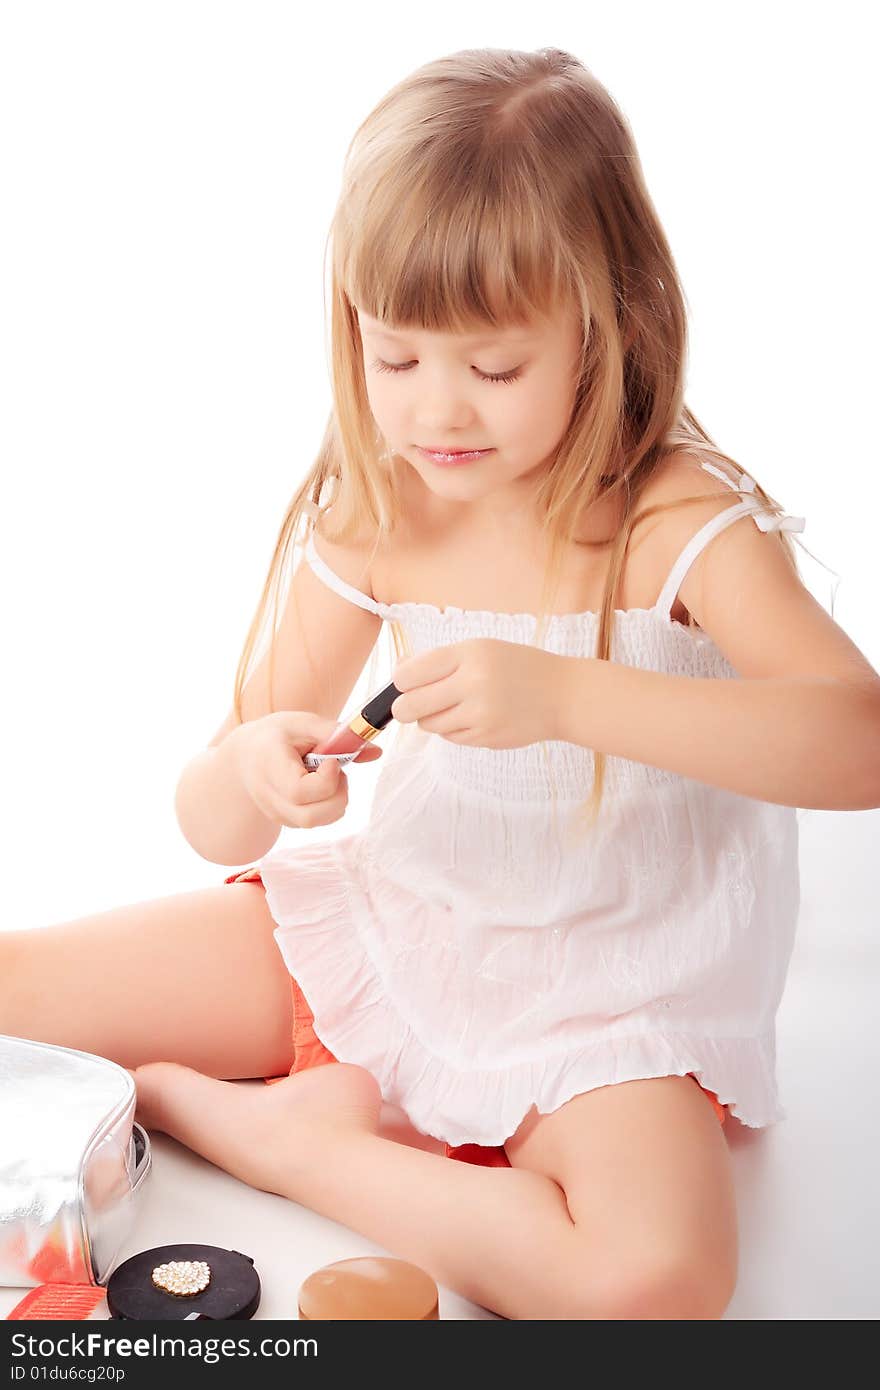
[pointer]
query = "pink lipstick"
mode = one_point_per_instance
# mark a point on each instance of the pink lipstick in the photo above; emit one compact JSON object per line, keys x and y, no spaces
{"x":349,"y":739}
{"x":454,"y":457}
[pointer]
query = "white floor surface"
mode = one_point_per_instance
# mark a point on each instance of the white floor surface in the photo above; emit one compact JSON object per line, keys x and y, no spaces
{"x":807,"y":1187}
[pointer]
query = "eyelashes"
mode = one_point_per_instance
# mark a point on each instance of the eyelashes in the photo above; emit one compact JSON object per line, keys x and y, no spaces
{"x":513,"y":375}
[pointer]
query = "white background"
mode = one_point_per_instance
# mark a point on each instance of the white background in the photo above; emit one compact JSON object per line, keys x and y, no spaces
{"x":168,"y":175}
{"x":168,"y":171}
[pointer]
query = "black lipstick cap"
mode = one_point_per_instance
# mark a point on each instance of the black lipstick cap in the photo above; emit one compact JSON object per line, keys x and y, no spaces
{"x":377,"y":711}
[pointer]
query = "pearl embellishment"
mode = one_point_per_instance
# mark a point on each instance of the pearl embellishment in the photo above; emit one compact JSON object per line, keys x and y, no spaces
{"x":182,"y":1277}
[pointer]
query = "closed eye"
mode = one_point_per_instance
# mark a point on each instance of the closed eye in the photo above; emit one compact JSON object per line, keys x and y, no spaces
{"x":512,"y":375}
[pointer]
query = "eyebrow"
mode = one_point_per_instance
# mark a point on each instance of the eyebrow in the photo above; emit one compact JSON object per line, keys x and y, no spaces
{"x":472,"y":341}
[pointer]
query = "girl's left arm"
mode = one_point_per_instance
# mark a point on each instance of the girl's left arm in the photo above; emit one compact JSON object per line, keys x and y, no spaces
{"x":811,"y":741}
{"x":800,"y":728}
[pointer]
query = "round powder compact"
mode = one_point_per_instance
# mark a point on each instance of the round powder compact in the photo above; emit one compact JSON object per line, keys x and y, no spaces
{"x":185,"y":1282}
{"x":371,"y":1287}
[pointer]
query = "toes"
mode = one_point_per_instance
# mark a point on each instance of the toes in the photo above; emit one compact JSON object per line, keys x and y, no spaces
{"x":261,"y":1136}
{"x":152,"y":1082}
{"x":174,"y":1098}
{"x":220,"y":1120}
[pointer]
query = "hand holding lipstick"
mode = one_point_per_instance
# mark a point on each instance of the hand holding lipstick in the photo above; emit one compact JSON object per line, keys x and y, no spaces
{"x":483,"y":692}
{"x":268,"y":755}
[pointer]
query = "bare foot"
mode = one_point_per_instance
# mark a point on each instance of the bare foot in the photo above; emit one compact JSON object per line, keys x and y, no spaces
{"x":264,"y":1135}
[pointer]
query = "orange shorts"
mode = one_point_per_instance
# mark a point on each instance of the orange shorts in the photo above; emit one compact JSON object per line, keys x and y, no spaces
{"x":309,"y":1051}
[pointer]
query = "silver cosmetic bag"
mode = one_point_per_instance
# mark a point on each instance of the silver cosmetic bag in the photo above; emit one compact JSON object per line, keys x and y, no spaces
{"x":72,"y":1159}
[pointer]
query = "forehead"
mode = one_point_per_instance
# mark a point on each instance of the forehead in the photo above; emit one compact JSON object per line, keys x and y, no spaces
{"x":372,"y":328}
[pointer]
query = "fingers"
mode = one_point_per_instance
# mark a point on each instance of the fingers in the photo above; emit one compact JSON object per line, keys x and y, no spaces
{"x":317,"y":785}
{"x":369,"y":754}
{"x":322,"y":796}
{"x":317,"y":797}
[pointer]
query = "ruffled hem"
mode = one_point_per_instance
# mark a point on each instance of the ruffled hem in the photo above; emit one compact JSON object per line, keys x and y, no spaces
{"x":354,"y":1016}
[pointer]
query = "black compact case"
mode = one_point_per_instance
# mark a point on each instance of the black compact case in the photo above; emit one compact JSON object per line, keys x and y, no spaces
{"x":233,"y":1290}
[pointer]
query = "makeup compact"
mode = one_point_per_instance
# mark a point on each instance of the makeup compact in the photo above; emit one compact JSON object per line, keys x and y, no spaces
{"x":349,"y":739}
{"x":372,"y":1287}
{"x":186,"y":1282}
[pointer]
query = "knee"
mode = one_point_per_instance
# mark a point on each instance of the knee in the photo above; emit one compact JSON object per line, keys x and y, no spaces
{"x":660,"y":1288}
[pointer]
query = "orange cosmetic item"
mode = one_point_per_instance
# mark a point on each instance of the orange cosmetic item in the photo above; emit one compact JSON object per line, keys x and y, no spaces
{"x":59,"y":1302}
{"x":374,"y":1287}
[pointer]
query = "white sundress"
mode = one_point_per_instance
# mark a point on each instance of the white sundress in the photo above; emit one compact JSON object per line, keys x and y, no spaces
{"x":480,"y":956}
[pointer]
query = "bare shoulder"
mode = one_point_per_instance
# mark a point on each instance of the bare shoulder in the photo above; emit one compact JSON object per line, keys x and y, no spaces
{"x":664,"y":533}
{"x":680,"y":474}
{"x":352,"y":556}
{"x":680,"y":478}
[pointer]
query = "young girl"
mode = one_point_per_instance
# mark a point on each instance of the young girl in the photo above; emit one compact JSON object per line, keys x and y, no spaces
{"x":598,"y":611}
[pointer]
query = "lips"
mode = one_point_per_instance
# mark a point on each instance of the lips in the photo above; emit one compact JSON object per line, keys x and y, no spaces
{"x":454,"y":458}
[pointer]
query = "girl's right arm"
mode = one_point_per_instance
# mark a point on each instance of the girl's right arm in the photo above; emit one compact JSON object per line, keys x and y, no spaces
{"x":214,"y":811}
{"x":233,"y":797}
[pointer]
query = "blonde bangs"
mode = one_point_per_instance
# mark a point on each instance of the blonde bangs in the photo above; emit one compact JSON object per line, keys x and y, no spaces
{"x":457,"y":248}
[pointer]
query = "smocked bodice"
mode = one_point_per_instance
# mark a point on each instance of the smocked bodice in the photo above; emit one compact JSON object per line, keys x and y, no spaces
{"x":640,"y":637}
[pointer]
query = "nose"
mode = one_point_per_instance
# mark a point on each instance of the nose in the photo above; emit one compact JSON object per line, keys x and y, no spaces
{"x":444,"y":411}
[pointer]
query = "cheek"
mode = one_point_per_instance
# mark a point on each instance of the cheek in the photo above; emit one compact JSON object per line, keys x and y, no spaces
{"x":526,"y":415}
{"x":552,"y":409}
{"x":379,"y":401}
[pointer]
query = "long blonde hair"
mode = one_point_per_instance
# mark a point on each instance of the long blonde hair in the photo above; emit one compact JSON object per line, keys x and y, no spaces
{"x":484,"y":188}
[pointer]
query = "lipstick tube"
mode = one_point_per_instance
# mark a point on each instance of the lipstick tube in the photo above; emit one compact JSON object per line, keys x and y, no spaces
{"x":348,"y":739}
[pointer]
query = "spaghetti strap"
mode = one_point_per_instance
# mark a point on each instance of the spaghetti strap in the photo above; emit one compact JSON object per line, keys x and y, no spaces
{"x":345,"y":590}
{"x":764,"y":519}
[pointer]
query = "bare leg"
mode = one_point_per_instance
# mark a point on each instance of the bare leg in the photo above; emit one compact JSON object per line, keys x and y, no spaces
{"x":502,"y":1237}
{"x":194,"y":978}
